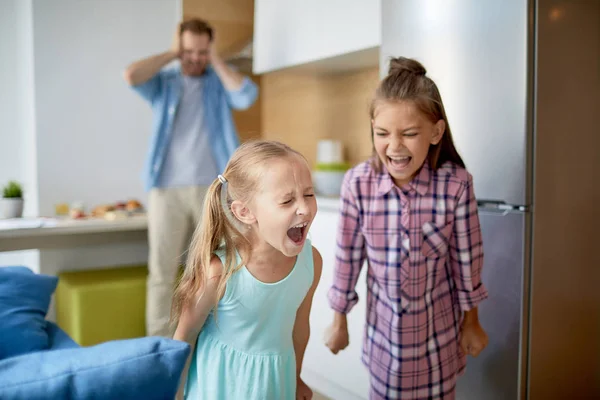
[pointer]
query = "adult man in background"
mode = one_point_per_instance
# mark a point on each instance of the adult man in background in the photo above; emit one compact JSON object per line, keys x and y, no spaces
{"x":192,"y":140}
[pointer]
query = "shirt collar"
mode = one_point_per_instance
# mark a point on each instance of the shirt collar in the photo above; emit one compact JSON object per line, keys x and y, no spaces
{"x":420,"y":183}
{"x":209,"y":70}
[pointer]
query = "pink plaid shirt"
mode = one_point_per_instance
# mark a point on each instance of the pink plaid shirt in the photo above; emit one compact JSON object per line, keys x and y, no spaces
{"x":424,"y":251}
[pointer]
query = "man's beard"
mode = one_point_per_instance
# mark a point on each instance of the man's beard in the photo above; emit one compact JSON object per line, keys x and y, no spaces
{"x":193,"y":69}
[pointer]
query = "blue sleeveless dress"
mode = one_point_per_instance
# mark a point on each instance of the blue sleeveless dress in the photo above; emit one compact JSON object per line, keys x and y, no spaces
{"x":248,"y":352}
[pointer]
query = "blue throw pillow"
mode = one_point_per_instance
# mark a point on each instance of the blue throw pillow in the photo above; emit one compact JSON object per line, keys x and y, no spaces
{"x":58,"y":339}
{"x":145,"y":368}
{"x":24,"y":300}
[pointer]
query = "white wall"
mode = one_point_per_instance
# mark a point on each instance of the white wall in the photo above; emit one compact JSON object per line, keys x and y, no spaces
{"x":17,"y":121}
{"x":92,"y":130}
{"x":70,"y":128}
{"x":10,"y":142}
{"x":16,"y":99}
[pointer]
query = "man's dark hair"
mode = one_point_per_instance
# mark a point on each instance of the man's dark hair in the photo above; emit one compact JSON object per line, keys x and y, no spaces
{"x":197,"y":26}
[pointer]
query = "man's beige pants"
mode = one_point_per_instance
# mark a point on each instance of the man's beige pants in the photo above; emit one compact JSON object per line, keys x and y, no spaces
{"x":173,"y":214}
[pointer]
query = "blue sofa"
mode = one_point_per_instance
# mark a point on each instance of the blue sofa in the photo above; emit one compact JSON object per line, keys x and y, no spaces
{"x":38,"y":360}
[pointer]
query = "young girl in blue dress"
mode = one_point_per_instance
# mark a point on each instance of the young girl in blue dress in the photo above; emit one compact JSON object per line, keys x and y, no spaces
{"x":244,"y":300}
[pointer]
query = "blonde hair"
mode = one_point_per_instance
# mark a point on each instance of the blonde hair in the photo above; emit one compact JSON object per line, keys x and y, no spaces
{"x":218,"y":228}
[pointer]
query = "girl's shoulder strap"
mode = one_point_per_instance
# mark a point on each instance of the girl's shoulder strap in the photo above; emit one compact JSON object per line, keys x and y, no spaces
{"x":306,"y":258}
{"x":233,"y":283}
{"x":221,"y":252}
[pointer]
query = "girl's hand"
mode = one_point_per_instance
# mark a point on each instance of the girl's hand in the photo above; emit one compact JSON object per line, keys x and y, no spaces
{"x":473,"y":338}
{"x":303,"y":392}
{"x":336,"y":337}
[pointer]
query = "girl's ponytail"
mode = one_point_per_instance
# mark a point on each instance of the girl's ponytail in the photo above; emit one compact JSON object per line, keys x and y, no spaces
{"x":216,"y":230}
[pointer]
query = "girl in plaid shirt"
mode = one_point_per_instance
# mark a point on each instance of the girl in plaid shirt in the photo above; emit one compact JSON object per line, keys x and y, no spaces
{"x":410,"y":212}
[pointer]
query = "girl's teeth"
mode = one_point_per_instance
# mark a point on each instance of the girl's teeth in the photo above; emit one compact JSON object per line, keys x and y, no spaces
{"x":400,"y":161}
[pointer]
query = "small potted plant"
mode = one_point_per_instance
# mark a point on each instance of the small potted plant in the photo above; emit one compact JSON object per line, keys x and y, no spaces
{"x":12,"y":200}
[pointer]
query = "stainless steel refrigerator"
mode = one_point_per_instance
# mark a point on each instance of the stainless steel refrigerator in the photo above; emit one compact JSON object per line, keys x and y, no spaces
{"x":483,"y":56}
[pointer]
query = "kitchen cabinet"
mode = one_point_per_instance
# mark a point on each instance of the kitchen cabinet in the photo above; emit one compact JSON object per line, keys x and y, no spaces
{"x":341,"y":376}
{"x":339,"y":34}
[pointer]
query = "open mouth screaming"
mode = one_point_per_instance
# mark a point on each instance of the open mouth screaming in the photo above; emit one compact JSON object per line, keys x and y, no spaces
{"x":297,"y":233}
{"x":399,"y":162}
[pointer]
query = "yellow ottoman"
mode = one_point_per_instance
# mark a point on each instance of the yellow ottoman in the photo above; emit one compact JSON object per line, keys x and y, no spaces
{"x":101,"y":305}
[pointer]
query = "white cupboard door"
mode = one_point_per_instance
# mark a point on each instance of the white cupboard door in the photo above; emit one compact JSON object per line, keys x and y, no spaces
{"x":343,"y":375}
{"x":291,"y":32}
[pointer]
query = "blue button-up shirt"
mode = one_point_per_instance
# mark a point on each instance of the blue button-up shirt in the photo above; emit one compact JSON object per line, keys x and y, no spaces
{"x":163,"y":92}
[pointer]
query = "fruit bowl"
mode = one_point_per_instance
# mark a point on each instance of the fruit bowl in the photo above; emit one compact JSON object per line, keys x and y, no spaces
{"x":328,"y":183}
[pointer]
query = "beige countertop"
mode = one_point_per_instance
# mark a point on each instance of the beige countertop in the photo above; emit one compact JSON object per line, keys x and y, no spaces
{"x":44,"y":226}
{"x":38,"y":233}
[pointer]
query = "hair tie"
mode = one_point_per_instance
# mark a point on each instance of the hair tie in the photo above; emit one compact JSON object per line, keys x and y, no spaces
{"x":223,"y":192}
{"x":224,"y":200}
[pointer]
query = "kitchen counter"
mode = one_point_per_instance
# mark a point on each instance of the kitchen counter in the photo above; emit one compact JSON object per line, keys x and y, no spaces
{"x":69,"y":245}
{"x":52,"y":233}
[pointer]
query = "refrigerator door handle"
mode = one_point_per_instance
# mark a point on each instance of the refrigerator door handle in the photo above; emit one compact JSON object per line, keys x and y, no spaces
{"x":500,"y":205}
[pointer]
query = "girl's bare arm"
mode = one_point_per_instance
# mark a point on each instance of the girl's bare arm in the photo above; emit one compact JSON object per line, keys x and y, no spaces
{"x":301,"y":332}
{"x":193,"y":317}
